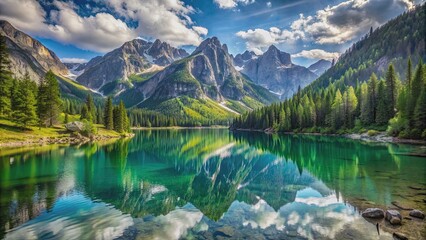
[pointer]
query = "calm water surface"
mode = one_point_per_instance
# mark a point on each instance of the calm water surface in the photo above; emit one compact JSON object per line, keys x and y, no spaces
{"x":206,"y":184}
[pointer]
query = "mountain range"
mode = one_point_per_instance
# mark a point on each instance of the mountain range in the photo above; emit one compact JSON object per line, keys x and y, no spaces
{"x":274,"y":71}
{"x":208,"y":83}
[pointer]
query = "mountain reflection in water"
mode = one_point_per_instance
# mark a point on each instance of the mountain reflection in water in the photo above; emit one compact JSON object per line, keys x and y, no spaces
{"x":202,"y":184}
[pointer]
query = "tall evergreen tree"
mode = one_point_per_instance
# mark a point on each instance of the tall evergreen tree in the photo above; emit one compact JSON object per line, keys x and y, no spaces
{"x":382,"y":115}
{"x":48,"y":100}
{"x":118,"y":119}
{"x":5,"y":78}
{"x":336,"y":111}
{"x":414,"y":93}
{"x":85,"y":114}
{"x":109,"y":114}
{"x":91,"y":108}
{"x":420,"y":109}
{"x":391,"y":92}
{"x":24,"y":109}
{"x":372,"y":100}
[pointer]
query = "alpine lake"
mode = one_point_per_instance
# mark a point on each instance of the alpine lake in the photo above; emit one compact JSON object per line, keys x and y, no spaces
{"x":211,"y":184}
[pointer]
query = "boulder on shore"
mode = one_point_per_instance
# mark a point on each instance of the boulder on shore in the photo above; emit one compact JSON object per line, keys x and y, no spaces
{"x":393,"y":216}
{"x":399,"y":236}
{"x":75,"y":126}
{"x":373,"y":213}
{"x":417,"y":213}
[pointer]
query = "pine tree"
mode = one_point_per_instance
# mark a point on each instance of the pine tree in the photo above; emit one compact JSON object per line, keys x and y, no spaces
{"x":124,"y":117}
{"x":66,"y":118}
{"x":91,"y":109}
{"x":5,"y":78}
{"x":85,"y":114}
{"x":391,"y":92}
{"x":420,"y":109}
{"x":24,"y":110}
{"x":108,"y":114}
{"x":414,"y":92}
{"x":336,"y":110}
{"x":48,"y":100}
{"x":372,"y":100}
{"x":351,"y":103}
{"x":382,"y":115}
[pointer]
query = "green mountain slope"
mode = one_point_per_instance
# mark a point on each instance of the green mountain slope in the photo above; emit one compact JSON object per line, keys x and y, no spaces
{"x":393,"y":42}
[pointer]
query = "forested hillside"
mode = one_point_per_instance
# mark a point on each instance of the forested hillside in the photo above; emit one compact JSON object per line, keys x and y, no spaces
{"x":394,"y":42}
{"x":349,"y":103}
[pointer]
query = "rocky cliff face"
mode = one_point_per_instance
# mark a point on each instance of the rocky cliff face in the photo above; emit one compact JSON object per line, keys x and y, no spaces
{"x":132,"y":57}
{"x":275,"y":71}
{"x":241,"y":59}
{"x":29,"y":55}
{"x":208,"y":73}
{"x":320,"y":67}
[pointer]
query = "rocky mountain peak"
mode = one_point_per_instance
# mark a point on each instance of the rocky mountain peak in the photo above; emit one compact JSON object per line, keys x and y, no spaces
{"x":211,"y":44}
{"x":274,"y":54}
{"x":320,"y":66}
{"x":23,"y":47}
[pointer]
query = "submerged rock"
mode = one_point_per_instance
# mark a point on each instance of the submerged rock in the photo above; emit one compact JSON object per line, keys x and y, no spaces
{"x":399,"y":236}
{"x":373,"y":213}
{"x":417,"y":213}
{"x":393,"y":216}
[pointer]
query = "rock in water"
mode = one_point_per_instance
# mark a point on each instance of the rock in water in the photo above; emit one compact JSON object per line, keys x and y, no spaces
{"x":399,"y":236}
{"x":75,"y":126}
{"x":373,"y":213}
{"x":393,"y":216}
{"x":417,"y":213}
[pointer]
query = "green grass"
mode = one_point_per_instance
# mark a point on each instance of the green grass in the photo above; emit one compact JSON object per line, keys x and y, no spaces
{"x":237,"y":106}
{"x":9,"y":132}
{"x":251,"y":103}
{"x":186,"y":107}
{"x":73,"y":90}
{"x":138,"y":78}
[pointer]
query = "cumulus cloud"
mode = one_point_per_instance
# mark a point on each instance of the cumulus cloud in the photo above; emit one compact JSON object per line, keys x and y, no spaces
{"x":317,"y":54}
{"x":74,"y":60}
{"x":348,"y":20}
{"x":201,"y":30}
{"x":259,"y":39}
{"x":168,"y":20}
{"x":227,"y":4}
{"x":344,"y":22}
{"x":66,"y":25}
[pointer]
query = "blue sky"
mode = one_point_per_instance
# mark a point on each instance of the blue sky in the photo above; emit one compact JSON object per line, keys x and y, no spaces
{"x":78,"y":30}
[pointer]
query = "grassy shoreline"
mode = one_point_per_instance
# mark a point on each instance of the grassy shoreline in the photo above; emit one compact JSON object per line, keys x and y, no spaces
{"x":12,"y":136}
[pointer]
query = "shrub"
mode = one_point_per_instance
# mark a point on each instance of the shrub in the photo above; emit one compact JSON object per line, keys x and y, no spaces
{"x":372,"y":133}
{"x":89,"y":129}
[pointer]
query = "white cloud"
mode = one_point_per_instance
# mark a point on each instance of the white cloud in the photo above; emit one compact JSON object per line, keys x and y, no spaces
{"x":344,"y":22}
{"x":74,"y":60}
{"x":201,"y":30}
{"x":259,"y":39}
{"x":317,"y":54}
{"x":165,"y":19}
{"x":268,"y":4}
{"x":348,"y":20}
{"x":227,"y":4}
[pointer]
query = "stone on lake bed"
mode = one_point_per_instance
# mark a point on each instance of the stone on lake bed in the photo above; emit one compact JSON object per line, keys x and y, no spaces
{"x":373,"y":213}
{"x":393,"y":216}
{"x":417,"y":213}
